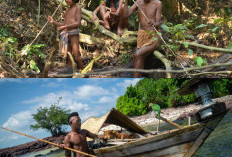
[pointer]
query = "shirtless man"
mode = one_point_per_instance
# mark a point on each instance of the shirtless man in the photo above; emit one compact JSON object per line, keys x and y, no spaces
{"x":69,"y":40}
{"x":76,"y":139}
{"x":145,"y":42}
{"x":112,"y":14}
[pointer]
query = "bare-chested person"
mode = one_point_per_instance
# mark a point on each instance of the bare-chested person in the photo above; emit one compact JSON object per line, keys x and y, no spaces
{"x":145,"y":42}
{"x":112,"y":14}
{"x":76,"y":138}
{"x":69,"y":40}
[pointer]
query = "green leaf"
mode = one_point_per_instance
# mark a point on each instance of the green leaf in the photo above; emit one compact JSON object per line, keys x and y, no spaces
{"x":186,"y":45}
{"x":190,"y":52}
{"x":20,"y":9}
{"x":160,"y":34}
{"x":154,"y":38}
{"x":201,"y":26}
{"x":229,"y":46}
{"x":33,"y":66}
{"x":218,"y":20}
{"x":199,"y":61}
{"x":165,"y":27}
{"x":214,"y":29}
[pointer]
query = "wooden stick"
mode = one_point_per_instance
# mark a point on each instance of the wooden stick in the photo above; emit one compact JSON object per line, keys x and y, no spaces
{"x":25,"y":51}
{"x":170,"y":122}
{"x":57,"y":145}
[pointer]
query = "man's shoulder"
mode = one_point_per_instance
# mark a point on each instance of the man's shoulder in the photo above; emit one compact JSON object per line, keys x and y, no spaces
{"x":157,"y":2}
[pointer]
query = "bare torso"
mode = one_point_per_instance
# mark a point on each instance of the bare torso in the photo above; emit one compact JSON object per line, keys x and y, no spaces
{"x":70,"y":16}
{"x":78,"y":141}
{"x":150,"y":10}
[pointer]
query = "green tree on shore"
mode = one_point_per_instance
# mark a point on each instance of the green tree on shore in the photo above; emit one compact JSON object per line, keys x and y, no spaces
{"x":52,"y":119}
{"x":163,"y":92}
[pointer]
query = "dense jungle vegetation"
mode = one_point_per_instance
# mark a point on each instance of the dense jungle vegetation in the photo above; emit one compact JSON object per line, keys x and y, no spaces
{"x":197,"y":38}
{"x":164,"y":93}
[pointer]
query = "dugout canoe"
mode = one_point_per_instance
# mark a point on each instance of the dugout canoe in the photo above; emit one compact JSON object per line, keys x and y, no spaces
{"x":174,"y":143}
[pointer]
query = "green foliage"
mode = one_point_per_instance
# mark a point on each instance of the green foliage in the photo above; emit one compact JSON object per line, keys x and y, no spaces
{"x":200,"y":61}
{"x":163,"y":92}
{"x":124,"y":59}
{"x":9,"y":47}
{"x":31,"y":55}
{"x":160,"y":91}
{"x":51,"y":119}
{"x":221,"y":87}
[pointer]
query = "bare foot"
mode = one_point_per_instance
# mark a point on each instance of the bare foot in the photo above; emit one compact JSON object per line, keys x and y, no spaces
{"x":104,"y":24}
{"x":120,"y":31}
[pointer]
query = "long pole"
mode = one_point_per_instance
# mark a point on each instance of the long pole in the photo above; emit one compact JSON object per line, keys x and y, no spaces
{"x":55,"y":144}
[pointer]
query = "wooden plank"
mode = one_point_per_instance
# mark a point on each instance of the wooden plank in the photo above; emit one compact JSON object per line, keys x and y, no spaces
{"x":155,"y":138}
{"x":174,"y":151}
{"x":155,"y":145}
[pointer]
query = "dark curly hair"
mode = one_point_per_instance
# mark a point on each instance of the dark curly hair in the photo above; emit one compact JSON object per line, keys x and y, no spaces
{"x":75,"y":1}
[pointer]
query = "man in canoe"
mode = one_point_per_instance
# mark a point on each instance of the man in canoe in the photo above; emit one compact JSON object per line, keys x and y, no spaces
{"x":112,"y":14}
{"x":149,"y":15}
{"x":76,"y":138}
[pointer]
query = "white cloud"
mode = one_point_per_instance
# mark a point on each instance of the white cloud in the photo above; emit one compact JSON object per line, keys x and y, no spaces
{"x":78,"y":107}
{"x":127,"y":83}
{"x":19,"y":121}
{"x":88,"y":91}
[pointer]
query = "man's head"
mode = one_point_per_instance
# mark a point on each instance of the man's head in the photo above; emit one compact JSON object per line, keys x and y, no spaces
{"x":74,"y":121}
{"x":146,"y":1}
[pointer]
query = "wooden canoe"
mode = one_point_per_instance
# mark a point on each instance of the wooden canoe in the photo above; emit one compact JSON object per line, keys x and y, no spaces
{"x":174,"y":143}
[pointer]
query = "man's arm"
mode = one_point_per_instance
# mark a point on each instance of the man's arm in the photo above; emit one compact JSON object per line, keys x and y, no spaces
{"x":158,"y":14}
{"x":97,"y":10}
{"x":132,"y":9}
{"x":67,"y":144}
{"x":91,"y":135}
{"x":52,"y":21}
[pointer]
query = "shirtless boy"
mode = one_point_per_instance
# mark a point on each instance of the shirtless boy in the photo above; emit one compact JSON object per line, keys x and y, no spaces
{"x":145,"y":42}
{"x":112,"y":14}
{"x":69,"y":40}
{"x":76,"y":139}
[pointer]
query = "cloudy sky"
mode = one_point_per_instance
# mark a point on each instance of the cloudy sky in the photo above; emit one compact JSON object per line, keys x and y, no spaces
{"x":21,"y":97}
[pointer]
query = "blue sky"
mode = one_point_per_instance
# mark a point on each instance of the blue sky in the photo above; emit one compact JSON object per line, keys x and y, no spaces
{"x":21,"y":97}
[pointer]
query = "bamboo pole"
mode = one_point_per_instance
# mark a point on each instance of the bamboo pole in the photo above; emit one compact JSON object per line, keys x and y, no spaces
{"x":55,"y":144}
{"x":170,"y":122}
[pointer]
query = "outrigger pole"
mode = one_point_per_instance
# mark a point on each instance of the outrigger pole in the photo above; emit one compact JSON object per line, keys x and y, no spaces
{"x":55,"y":144}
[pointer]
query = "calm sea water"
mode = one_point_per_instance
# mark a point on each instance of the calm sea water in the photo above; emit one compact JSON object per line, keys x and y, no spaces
{"x":219,"y":143}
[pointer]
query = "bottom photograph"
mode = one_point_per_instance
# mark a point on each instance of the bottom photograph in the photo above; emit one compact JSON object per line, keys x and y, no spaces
{"x":116,"y":117}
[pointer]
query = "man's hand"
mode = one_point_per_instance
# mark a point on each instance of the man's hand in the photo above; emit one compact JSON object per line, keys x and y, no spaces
{"x":61,"y":146}
{"x":151,"y":22}
{"x":61,"y":28}
{"x":50,"y":19}
{"x":94,"y":18}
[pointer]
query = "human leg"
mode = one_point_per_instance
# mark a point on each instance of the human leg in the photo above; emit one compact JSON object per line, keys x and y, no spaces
{"x":123,"y":19}
{"x":141,"y":55}
{"x":75,"y":50}
{"x":104,"y":15}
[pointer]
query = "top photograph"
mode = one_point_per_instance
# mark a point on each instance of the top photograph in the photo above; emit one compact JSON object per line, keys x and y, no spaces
{"x":115,"y":39}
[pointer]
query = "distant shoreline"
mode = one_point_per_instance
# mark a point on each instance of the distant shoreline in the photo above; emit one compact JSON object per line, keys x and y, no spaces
{"x":169,"y":113}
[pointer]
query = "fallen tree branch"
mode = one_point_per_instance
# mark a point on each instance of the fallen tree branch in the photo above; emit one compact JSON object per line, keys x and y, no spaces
{"x":156,"y":70}
{"x":165,"y":61}
{"x":87,"y":39}
{"x":204,"y":46}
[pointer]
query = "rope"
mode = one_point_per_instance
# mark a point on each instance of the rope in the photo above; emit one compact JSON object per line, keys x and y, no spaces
{"x":57,"y":145}
{"x":161,"y":37}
